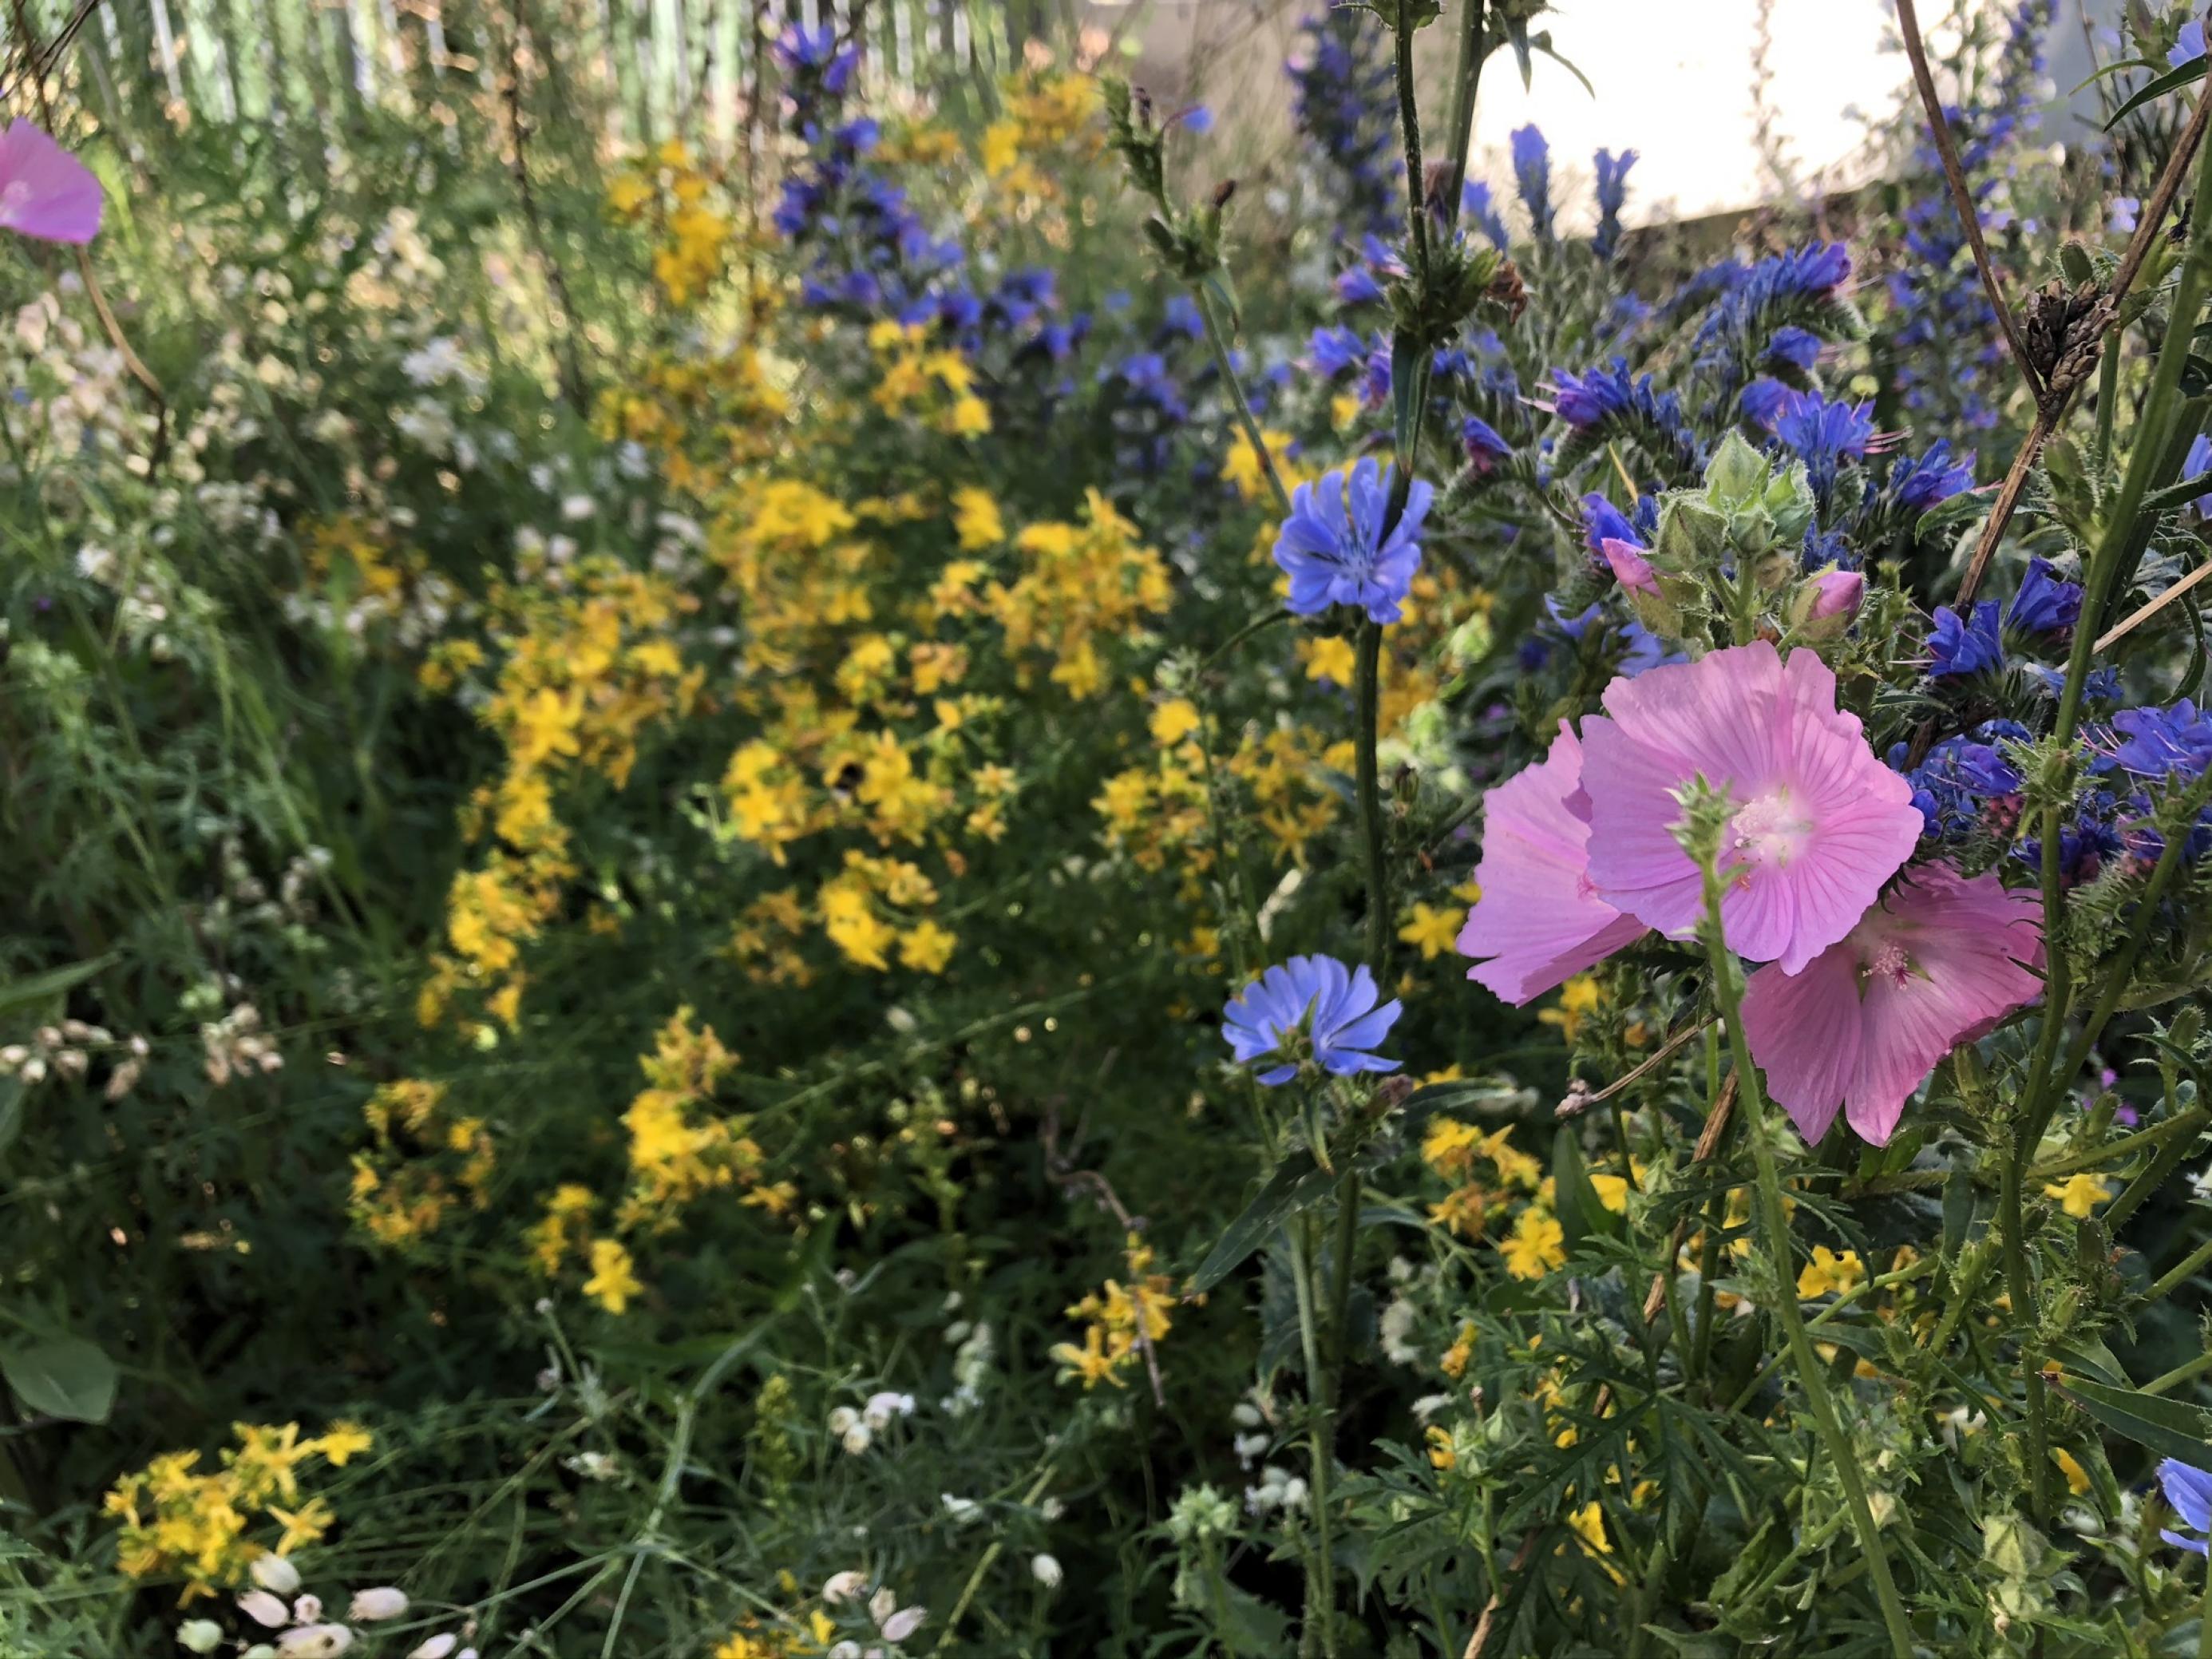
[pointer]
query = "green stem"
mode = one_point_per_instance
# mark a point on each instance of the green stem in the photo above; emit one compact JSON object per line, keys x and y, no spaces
{"x":2021,"y":1292}
{"x":1465,"y":78}
{"x":1775,"y":1221}
{"x":1250,"y":422}
{"x":2188,"y":1371}
{"x":2174,"y":1277}
{"x":2113,"y":1152}
{"x":1367,"y":695}
{"x":1319,"y":1634}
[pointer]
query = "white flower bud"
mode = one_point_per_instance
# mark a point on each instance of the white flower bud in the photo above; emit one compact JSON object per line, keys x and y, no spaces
{"x":842,"y":1419}
{"x":273,"y":1572}
{"x":845,"y":1650}
{"x":199,"y":1635}
{"x":883,"y":1407}
{"x":903,"y":1623}
{"x":857,"y":1438}
{"x":308,"y":1609}
{"x":1045,"y":1569}
{"x":314,"y":1642}
{"x":264,"y":1609}
{"x":437,"y":1647}
{"x":843,"y":1587}
{"x":10,"y":1057}
{"x":882,"y":1605}
{"x":382,"y":1603}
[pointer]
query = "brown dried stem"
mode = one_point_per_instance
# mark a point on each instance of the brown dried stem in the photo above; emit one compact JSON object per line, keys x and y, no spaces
{"x":1908,"y":22}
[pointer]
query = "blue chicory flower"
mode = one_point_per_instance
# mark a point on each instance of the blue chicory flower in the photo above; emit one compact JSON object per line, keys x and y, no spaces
{"x":1333,"y":548}
{"x":1317,"y":998}
{"x":2189,"y":1490}
{"x":2189,"y":44}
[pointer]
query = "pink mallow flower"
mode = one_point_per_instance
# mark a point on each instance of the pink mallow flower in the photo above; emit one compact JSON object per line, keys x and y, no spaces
{"x":1538,"y":918}
{"x":46,"y":191}
{"x":1819,"y":823}
{"x":1936,"y":964}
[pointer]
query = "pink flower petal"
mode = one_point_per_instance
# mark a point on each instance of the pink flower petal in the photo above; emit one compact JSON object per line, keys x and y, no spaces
{"x":46,"y":191}
{"x":1630,"y":568}
{"x":1538,"y":918}
{"x":1820,"y":824}
{"x":1936,"y":964}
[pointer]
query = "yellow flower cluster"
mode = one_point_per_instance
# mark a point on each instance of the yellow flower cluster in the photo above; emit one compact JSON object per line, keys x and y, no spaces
{"x":420,"y":1163}
{"x":1077,"y":587}
{"x":1119,"y":1322}
{"x":700,"y":412}
{"x":1049,"y":126}
{"x":673,"y":190}
{"x":180,"y":1520}
{"x":680,"y":1150}
{"x":585,"y":667}
{"x":935,"y":384}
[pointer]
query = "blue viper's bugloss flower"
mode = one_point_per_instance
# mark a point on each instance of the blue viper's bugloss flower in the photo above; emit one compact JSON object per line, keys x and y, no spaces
{"x":1612,"y":192}
{"x":1485,"y":448}
{"x":804,"y":51}
{"x":1603,"y":522}
{"x":1531,"y":178}
{"x":1475,"y":201}
{"x":1763,"y":402}
{"x":1957,"y":646}
{"x":2189,"y":1490}
{"x":1954,"y":786}
{"x":1823,"y":435}
{"x":1334,"y":549}
{"x":2046,"y":602}
{"x":1197,"y":118}
{"x":1333,"y":350}
{"x":1932,"y":479}
{"x":1357,"y":287}
{"x":1798,"y":346}
{"x":2158,"y":743}
{"x":1331,"y":1006}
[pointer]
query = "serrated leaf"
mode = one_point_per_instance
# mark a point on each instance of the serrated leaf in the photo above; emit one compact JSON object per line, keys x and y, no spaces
{"x":2171,"y":1428}
{"x":2174,"y":80}
{"x":62,"y":1376}
{"x":1297,"y":1184}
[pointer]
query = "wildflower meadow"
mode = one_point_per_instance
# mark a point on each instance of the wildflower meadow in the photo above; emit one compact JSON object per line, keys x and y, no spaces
{"x":834,"y":830}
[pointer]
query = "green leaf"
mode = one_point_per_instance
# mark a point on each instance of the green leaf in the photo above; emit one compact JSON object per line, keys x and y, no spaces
{"x":1297,"y":1184}
{"x":2120,"y":68}
{"x":2093,"y":1357}
{"x":2171,"y":1428}
{"x":1580,"y":1211}
{"x":51,"y":983}
{"x":2172,"y":80}
{"x":62,"y":1377}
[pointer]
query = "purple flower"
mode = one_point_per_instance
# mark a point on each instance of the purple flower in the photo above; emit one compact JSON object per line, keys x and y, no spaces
{"x":1315,"y":998}
{"x":1197,"y":118}
{"x":1603,"y":522}
{"x":1357,"y":287}
{"x":1531,"y":178}
{"x":2187,"y":46}
{"x":2189,"y":1490}
{"x":1333,"y":548}
{"x":1957,"y":646}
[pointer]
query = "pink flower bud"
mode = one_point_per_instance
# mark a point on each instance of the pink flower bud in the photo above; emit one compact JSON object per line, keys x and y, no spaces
{"x":1630,"y":568}
{"x":1838,"y":593}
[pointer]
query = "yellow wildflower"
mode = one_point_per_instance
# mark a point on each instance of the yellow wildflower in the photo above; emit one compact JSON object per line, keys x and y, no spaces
{"x":1434,"y":931}
{"x":612,"y":1283}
